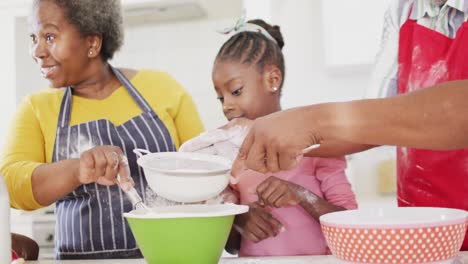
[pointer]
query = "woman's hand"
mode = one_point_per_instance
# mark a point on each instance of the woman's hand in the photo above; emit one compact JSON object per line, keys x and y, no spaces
{"x":278,"y":193}
{"x":257,"y":224}
{"x":102,"y":164}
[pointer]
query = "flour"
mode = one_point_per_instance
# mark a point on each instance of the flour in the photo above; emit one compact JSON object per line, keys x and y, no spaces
{"x":421,"y":77}
{"x":83,"y":144}
{"x":154,"y":201}
{"x":308,"y":196}
{"x":404,"y":156}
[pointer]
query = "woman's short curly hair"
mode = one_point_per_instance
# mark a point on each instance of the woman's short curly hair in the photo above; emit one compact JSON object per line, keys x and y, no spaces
{"x":96,"y":17}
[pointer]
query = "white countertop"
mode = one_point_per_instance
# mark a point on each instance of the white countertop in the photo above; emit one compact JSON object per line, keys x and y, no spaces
{"x":462,"y":258}
{"x":263,"y":260}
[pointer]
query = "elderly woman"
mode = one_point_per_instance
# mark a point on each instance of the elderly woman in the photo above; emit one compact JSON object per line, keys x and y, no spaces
{"x":68,"y":145}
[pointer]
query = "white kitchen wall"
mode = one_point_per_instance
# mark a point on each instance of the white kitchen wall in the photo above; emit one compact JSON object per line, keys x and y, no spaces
{"x":353,"y":38}
{"x":186,"y":50}
{"x":7,"y":68}
{"x":308,"y":78}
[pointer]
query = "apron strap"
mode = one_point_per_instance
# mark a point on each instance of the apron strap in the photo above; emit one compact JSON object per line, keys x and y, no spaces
{"x":142,"y":103}
{"x":410,"y":11}
{"x":65,"y":107}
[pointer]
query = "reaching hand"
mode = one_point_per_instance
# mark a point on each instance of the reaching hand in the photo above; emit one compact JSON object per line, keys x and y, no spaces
{"x":275,"y":142}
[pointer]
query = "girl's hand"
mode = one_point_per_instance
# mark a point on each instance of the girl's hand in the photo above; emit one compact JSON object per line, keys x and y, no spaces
{"x":278,"y":193}
{"x":257,"y":224}
{"x":101,"y":164}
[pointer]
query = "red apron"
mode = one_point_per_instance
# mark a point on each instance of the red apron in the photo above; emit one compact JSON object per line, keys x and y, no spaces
{"x":425,"y":177}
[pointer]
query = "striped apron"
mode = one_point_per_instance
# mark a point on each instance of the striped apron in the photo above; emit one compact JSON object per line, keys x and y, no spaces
{"x":90,"y":224}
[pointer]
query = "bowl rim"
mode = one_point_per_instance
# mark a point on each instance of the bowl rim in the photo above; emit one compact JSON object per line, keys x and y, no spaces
{"x":462,"y":219}
{"x":229,"y":209}
{"x":143,"y":160}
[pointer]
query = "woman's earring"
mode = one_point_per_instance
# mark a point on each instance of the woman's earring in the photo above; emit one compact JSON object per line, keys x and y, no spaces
{"x":90,"y":53}
{"x":275,"y":89}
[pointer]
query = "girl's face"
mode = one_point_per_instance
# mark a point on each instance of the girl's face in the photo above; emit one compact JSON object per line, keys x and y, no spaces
{"x":245,"y":92}
{"x":57,"y":46}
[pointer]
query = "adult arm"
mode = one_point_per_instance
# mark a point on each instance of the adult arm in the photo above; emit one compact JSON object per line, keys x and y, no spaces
{"x":432,"y":118}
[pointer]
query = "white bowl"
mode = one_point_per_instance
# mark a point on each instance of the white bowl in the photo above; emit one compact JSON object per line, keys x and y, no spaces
{"x":188,"y":211}
{"x":395,"y":235}
{"x":185,"y":177}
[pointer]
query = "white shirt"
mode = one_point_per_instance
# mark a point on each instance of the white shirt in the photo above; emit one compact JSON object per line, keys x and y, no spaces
{"x":445,"y":19}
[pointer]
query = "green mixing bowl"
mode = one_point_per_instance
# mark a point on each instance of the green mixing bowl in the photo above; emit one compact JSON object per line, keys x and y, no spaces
{"x":194,"y":234}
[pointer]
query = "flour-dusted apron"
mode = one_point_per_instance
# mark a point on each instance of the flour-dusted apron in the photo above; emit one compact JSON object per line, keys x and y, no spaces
{"x":425,"y":177}
{"x":90,"y":224}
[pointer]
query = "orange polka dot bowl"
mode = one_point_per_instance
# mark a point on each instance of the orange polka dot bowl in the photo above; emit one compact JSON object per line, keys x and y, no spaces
{"x":395,"y":235}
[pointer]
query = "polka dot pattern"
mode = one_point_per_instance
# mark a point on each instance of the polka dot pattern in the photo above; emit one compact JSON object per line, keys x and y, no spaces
{"x":408,"y":245}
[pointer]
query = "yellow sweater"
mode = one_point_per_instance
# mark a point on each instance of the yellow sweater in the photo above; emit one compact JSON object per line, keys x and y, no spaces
{"x":32,"y":136}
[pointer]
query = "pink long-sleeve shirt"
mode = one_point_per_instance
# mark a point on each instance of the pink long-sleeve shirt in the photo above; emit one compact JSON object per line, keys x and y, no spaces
{"x":303,"y":236}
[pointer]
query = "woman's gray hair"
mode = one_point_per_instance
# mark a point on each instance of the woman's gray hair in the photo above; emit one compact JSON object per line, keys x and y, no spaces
{"x":96,"y":17}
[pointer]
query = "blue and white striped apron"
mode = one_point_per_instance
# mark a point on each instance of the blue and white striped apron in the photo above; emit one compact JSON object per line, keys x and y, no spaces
{"x":90,"y":224}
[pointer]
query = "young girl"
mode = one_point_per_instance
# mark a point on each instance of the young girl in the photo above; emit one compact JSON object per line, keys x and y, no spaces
{"x":284,"y":213}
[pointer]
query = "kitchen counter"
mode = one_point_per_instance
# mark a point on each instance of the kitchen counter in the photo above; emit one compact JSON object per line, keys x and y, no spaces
{"x":462,"y":258}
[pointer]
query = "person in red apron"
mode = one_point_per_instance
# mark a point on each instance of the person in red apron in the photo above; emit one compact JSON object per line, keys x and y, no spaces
{"x":426,"y":58}
{"x":426,"y":177}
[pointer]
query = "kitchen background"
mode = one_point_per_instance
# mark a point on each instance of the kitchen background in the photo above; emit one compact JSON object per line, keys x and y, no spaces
{"x":329,"y":52}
